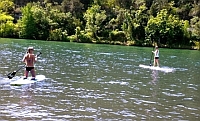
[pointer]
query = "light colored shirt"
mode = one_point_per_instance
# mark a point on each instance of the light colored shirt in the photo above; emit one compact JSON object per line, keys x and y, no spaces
{"x":156,"y":53}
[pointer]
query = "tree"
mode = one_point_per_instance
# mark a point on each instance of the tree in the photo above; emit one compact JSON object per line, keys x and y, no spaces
{"x":7,"y":28}
{"x":73,"y":6}
{"x":139,"y":22}
{"x":195,"y":24}
{"x":7,"y":6}
{"x":46,"y":22}
{"x":166,"y":28}
{"x":94,"y":17}
{"x":27,"y":23}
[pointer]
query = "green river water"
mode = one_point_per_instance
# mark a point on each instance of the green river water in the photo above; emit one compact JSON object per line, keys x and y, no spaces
{"x":90,"y":82}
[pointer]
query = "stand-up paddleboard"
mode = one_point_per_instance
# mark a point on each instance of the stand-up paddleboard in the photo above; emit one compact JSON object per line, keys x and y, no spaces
{"x":22,"y":81}
{"x":158,"y":68}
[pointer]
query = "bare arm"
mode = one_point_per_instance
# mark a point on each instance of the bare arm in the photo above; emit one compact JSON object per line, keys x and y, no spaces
{"x":35,"y":59}
{"x":24,"y":58}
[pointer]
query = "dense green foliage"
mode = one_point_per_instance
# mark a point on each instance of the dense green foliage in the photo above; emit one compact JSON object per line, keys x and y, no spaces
{"x":168,"y":23}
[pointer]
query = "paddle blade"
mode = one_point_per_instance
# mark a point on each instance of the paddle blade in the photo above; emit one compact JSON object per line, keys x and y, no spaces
{"x":11,"y":75}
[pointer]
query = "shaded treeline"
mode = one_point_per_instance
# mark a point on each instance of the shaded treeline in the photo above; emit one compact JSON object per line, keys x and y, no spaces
{"x":168,"y":23}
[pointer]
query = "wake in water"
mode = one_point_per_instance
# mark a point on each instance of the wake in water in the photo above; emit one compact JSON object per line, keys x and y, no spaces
{"x":164,"y":69}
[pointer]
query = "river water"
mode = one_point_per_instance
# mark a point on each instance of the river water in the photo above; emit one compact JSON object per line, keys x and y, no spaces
{"x":99,"y":82}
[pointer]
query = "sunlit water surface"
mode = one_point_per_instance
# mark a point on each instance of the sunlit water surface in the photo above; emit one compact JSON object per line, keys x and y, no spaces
{"x":99,"y":82}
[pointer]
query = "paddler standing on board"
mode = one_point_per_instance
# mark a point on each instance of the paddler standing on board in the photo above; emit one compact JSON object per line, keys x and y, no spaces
{"x":29,"y":59}
{"x":156,"y":57}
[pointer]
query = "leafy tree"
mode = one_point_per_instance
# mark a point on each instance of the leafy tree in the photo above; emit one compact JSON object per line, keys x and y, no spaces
{"x":134,"y":23}
{"x":86,"y":3}
{"x":195,"y":24}
{"x":116,"y":20}
{"x":7,"y":6}
{"x":44,"y":22}
{"x":166,"y":28}
{"x":139,"y":22}
{"x":7,"y":28}
{"x":27,"y":23}
{"x":94,"y":17}
{"x":195,"y":10}
{"x":75,"y":7}
{"x":58,"y":35}
{"x":184,"y":11}
{"x":118,"y":36}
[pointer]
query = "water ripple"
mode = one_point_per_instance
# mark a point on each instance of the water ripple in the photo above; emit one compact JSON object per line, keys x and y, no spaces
{"x":99,"y":82}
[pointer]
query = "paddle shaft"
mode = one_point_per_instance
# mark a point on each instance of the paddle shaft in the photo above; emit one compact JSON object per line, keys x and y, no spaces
{"x":151,"y":56}
{"x":20,"y":68}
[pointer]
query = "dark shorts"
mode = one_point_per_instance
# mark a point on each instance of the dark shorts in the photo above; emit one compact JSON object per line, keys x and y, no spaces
{"x":156,"y":57}
{"x":29,"y":68}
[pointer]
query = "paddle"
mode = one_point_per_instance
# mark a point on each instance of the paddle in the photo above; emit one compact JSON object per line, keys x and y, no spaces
{"x":150,"y":59}
{"x":151,"y":56}
{"x":12,"y":74}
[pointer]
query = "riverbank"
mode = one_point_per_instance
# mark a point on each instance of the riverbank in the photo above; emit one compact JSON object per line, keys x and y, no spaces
{"x":128,"y":43}
{"x":196,"y":45}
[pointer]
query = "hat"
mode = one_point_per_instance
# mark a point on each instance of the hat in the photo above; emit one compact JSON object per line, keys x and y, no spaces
{"x":30,"y":48}
{"x":156,"y":46}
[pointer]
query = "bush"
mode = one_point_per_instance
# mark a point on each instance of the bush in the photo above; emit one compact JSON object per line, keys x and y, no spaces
{"x":117,"y":36}
{"x":72,"y":38}
{"x":84,"y":38}
{"x":8,"y":29}
{"x":58,"y":35}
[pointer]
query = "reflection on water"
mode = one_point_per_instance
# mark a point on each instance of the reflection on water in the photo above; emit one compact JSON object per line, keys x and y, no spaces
{"x":154,"y":77}
{"x":99,"y":82}
{"x":154,"y":88}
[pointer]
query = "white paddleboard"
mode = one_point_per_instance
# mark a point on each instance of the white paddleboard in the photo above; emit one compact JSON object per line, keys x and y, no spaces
{"x":158,"y":68}
{"x":22,"y":81}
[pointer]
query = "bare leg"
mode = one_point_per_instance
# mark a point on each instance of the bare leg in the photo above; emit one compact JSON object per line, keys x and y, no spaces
{"x":25,"y":74}
{"x":33,"y":73}
{"x":154,"y":63}
{"x":157,"y":62}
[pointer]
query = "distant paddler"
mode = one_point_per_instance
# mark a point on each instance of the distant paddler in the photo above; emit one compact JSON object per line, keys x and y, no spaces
{"x":156,"y":57}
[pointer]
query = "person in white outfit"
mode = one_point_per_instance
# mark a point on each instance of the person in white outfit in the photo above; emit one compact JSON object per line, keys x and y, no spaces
{"x":156,"y":57}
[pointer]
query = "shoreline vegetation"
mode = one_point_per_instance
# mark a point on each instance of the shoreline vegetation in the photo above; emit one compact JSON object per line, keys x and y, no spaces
{"x":172,"y":24}
{"x":113,"y":43}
